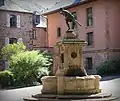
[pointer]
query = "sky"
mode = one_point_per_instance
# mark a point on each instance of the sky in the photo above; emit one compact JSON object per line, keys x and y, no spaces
{"x":35,"y":5}
{"x":47,"y":3}
{"x":50,"y":3}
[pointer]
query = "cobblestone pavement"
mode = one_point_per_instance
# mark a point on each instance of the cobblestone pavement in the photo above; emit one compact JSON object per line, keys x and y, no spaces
{"x":110,"y":85}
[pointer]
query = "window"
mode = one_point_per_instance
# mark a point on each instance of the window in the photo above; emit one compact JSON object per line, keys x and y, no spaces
{"x":33,"y":34}
{"x":89,"y":63}
{"x":74,"y":26}
{"x":58,"y":32}
{"x":90,"y":38}
{"x":1,"y":2}
{"x":89,"y":17}
{"x":12,"y":40}
{"x":13,"y":21}
{"x":37,"y":20}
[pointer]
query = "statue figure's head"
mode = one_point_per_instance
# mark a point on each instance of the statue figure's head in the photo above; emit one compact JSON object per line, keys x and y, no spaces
{"x":61,"y":10}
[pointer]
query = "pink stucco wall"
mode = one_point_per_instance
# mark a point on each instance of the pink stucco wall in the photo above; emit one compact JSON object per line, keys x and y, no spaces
{"x":113,"y":7}
{"x":105,"y":28}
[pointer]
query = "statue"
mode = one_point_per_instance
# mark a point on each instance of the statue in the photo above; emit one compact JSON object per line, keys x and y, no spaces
{"x":69,"y":17}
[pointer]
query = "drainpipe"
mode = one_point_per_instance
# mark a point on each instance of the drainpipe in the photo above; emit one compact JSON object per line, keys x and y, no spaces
{"x":107,"y":27}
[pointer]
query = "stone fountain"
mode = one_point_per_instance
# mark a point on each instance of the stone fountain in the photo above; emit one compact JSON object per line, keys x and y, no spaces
{"x":70,"y":77}
{"x":70,"y":80}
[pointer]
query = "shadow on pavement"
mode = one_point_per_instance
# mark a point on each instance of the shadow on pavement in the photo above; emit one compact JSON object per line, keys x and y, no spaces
{"x":106,"y":78}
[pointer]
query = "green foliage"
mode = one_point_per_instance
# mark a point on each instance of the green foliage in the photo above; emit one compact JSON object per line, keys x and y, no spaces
{"x":6,"y":78}
{"x":109,"y":67}
{"x":28,"y":66}
{"x":11,"y":49}
{"x":49,"y":59}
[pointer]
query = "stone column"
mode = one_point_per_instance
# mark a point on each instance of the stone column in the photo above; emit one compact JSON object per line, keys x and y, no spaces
{"x":97,"y":84}
{"x":60,"y":85}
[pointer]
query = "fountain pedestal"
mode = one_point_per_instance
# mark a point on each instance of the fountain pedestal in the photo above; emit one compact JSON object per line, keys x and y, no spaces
{"x":71,"y":85}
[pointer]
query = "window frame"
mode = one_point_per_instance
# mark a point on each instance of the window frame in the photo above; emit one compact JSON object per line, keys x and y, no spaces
{"x":89,"y":16}
{"x":13,"y":20}
{"x":90,"y":39}
{"x":13,"y":40}
{"x":34,"y":34}
{"x":89,"y":61}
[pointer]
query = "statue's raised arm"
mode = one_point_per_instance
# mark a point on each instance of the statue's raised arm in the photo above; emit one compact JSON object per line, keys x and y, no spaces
{"x":69,"y":17}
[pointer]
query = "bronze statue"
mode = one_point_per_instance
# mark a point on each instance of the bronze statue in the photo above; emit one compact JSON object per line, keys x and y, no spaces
{"x":69,"y":17}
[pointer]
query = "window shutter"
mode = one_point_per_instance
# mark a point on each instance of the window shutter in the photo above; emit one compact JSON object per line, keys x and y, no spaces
{"x":20,"y":40}
{"x":6,"y":40}
{"x":18,"y":21}
{"x":8,"y":20}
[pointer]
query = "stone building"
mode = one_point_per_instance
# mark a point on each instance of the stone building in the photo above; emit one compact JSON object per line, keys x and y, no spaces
{"x":20,"y":24}
{"x":100,"y":29}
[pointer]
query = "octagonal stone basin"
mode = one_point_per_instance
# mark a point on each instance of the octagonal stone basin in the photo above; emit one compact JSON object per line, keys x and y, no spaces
{"x":71,"y":85}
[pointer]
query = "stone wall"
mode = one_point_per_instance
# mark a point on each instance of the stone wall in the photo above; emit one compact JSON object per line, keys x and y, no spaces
{"x":15,"y":32}
{"x":98,"y":57}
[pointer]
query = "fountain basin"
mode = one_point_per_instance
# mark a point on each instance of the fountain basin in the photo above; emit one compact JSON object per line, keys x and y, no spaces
{"x":71,"y":85}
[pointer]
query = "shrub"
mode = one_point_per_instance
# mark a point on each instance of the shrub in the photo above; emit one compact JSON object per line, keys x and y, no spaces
{"x":6,"y":78}
{"x":109,"y":67}
{"x":49,"y":59}
{"x":28,"y":66}
{"x":11,"y":49}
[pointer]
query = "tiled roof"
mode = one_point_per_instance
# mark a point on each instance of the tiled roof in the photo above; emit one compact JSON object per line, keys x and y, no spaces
{"x":60,"y":4}
{"x":73,"y":3}
{"x":23,"y":6}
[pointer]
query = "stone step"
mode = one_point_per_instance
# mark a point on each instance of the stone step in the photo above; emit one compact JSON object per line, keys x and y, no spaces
{"x":99,"y":95}
{"x":112,"y":98}
{"x":30,"y":99}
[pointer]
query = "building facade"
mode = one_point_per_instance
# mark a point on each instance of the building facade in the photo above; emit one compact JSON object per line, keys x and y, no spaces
{"x":19,"y":25}
{"x":100,"y":29}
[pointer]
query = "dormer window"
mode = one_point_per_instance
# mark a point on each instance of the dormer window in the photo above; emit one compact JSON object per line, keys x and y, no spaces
{"x":36,"y":19}
{"x":2,"y":2}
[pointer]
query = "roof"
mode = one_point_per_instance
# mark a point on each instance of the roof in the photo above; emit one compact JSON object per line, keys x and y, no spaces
{"x":28,"y":6}
{"x":59,"y":4}
{"x":51,"y":11}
